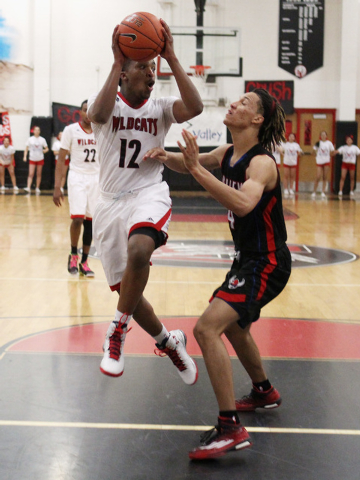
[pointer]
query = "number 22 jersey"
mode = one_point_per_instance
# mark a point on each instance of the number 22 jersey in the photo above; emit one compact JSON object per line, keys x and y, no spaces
{"x":126,"y":137}
{"x":83,"y":149}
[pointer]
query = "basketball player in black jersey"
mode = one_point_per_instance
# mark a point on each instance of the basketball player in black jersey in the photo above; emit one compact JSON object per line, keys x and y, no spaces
{"x":250,"y":190}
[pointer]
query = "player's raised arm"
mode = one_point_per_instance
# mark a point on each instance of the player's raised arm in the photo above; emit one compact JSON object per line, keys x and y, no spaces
{"x":190,"y":105}
{"x":262,"y":175}
{"x":175,"y":160}
{"x":100,"y":110}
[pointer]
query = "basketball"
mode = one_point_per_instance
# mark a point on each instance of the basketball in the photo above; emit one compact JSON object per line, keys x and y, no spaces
{"x":141,"y":36}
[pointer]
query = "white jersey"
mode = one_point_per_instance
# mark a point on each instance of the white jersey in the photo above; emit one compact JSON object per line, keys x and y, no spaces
{"x":323,"y":152}
{"x":56,"y":148}
{"x":126,"y":137}
{"x":291,"y":151}
{"x":6,"y":154}
{"x":82,"y":147}
{"x":349,"y":153}
{"x":36,"y":146}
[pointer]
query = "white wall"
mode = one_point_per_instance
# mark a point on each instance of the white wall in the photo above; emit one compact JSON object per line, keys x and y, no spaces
{"x":79,"y":42}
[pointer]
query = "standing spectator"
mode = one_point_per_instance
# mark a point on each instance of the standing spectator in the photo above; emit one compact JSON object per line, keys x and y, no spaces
{"x":56,"y":149}
{"x":290,"y":150}
{"x":324,"y":150}
{"x":349,"y":153}
{"x":7,"y":161}
{"x":37,"y":147}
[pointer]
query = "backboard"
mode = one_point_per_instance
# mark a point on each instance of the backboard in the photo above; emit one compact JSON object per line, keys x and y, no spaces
{"x":217,"y":47}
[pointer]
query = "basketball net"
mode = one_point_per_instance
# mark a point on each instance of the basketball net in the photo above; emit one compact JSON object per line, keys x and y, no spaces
{"x":200,"y":71}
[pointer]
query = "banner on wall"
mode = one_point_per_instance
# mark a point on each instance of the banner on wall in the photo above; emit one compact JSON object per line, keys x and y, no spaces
{"x":64,"y":115}
{"x":283,"y":91}
{"x":5,"y":129}
{"x":208,"y":127}
{"x":301,"y":36}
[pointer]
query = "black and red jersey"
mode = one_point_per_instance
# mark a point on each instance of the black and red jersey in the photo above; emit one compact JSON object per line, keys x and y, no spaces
{"x":263,"y":229}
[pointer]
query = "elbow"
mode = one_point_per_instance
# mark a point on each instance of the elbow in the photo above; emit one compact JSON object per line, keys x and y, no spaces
{"x":198,"y":108}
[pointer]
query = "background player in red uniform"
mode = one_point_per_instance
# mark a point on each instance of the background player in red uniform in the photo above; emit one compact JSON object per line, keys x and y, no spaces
{"x":250,"y":190}
{"x":133,"y":212}
{"x":83,"y":186}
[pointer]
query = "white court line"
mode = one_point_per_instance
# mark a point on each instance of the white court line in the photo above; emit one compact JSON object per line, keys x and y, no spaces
{"x":131,"y":426}
{"x":175,"y":282}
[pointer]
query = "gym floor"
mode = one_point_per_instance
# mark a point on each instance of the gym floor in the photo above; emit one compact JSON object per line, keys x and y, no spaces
{"x":60,"y":418}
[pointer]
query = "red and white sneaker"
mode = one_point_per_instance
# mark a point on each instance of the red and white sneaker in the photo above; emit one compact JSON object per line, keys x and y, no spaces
{"x":85,"y":270}
{"x":256,"y":399}
{"x":73,"y":264}
{"x":112,"y":363}
{"x":175,"y":348}
{"x":220,"y":440}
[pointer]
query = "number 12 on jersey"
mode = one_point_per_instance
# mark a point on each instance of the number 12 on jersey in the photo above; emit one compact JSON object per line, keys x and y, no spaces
{"x":134,"y":145}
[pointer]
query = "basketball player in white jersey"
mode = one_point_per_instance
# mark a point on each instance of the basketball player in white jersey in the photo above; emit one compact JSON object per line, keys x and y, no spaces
{"x":7,"y":152}
{"x":79,"y":142}
{"x":133,"y":213}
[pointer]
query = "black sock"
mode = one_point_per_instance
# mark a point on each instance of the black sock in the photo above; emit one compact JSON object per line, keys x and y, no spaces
{"x":84,"y":257}
{"x":230,"y":415}
{"x":73,"y":250}
{"x":263,"y":386}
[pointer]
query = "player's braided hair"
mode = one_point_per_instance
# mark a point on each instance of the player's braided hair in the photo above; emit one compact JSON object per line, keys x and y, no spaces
{"x":272,"y":131}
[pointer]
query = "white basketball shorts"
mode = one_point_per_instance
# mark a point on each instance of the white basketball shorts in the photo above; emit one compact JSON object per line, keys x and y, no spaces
{"x":116,"y":216}
{"x":83,"y":192}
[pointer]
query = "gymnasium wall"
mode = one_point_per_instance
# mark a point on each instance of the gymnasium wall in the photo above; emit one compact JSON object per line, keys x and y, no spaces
{"x":74,"y":40}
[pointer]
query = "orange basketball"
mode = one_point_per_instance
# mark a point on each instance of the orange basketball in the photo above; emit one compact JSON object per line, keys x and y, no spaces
{"x":141,"y":36}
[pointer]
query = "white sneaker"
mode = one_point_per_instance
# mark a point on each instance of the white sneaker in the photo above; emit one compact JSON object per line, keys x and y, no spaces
{"x":291,"y":192}
{"x":112,"y":363}
{"x":16,"y":189}
{"x":351,"y":193}
{"x":27,"y":189}
{"x":313,"y":195}
{"x":340,"y":193}
{"x":37,"y":191}
{"x":175,"y":348}
{"x":323,"y":195}
{"x":286,"y":192}
{"x":2,"y":189}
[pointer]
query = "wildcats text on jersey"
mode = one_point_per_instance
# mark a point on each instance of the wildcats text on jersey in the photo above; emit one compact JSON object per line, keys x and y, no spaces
{"x":87,"y":141}
{"x":148,"y":125}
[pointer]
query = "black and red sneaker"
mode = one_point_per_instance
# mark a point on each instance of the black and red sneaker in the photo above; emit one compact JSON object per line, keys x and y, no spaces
{"x":249,"y":403}
{"x":223,"y":438}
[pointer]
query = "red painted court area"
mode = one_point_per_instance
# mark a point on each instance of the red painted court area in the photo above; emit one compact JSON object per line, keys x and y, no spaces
{"x":276,"y":338}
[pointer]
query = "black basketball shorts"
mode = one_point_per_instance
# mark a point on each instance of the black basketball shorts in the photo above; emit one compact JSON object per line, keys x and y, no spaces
{"x":254,"y":281}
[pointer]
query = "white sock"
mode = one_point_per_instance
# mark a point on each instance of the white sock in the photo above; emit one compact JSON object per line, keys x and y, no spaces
{"x":122,"y":318}
{"x":164,"y":334}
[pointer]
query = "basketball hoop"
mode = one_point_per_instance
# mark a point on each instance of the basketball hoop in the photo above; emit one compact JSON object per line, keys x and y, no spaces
{"x":200,"y":71}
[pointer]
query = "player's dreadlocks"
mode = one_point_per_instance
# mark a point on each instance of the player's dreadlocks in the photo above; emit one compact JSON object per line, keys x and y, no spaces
{"x":272,"y":131}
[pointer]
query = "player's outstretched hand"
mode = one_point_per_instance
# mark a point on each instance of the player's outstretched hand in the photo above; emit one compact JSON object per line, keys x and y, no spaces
{"x":157,"y":153}
{"x":58,"y":196}
{"x":190,"y":151}
{"x":119,"y":57}
{"x":169,"y":41}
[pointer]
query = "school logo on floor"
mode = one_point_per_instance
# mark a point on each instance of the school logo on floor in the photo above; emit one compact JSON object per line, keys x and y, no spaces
{"x":220,"y":254}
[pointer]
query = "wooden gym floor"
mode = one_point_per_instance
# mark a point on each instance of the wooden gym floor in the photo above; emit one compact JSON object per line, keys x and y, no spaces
{"x":61,"y":419}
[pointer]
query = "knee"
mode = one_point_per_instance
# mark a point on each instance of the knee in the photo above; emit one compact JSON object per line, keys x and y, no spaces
{"x":201,"y":333}
{"x":139,"y":254}
{"x":77,"y":222}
